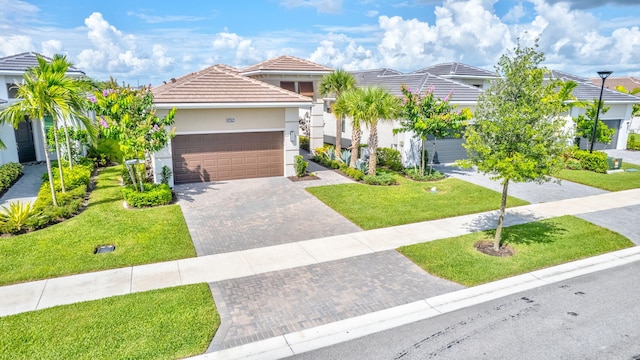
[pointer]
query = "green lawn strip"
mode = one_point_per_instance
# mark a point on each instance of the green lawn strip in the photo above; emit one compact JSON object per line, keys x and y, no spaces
{"x":372,"y":207}
{"x":612,"y":182}
{"x":538,"y":245}
{"x":140,"y":235}
{"x":161,"y":324}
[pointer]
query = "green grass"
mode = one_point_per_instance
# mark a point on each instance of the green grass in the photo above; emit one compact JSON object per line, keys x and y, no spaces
{"x":538,"y":245}
{"x":372,"y":207}
{"x":161,"y":324}
{"x":141,"y":236}
{"x":611,"y":182}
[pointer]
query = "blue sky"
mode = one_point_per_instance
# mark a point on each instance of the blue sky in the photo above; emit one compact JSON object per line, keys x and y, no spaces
{"x":143,"y":41}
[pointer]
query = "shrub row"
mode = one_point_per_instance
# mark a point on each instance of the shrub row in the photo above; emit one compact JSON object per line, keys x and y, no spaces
{"x":9,"y":173}
{"x":596,"y":161}
{"x":633,"y":142}
{"x":389,"y":158}
{"x":356,"y":174}
{"x":153,"y":195}
{"x":414,"y":174}
{"x":380,"y":179}
{"x":304,"y":143}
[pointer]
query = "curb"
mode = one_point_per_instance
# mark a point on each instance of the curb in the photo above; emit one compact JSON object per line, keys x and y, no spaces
{"x":341,"y":331}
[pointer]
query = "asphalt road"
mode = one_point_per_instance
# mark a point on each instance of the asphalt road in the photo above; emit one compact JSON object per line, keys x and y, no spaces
{"x":596,"y":316}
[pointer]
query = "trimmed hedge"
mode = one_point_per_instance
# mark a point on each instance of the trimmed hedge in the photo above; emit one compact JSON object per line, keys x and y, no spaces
{"x":153,"y":195}
{"x":380,"y":179}
{"x":596,"y":161}
{"x":9,"y":173}
{"x":304,"y":143}
{"x":633,"y":142}
{"x":390,"y":158}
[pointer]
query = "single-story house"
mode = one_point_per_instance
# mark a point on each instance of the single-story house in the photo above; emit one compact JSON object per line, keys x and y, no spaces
{"x":23,"y":144}
{"x":236,"y":123}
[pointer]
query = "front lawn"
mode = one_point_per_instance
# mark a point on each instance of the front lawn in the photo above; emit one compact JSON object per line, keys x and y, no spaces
{"x":141,"y":236}
{"x":537,"y":245}
{"x":161,"y":324}
{"x":372,"y":207}
{"x":611,"y":182}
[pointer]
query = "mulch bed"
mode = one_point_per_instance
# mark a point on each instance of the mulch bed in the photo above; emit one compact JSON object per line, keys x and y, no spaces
{"x":486,"y":247}
{"x":303,"y":178}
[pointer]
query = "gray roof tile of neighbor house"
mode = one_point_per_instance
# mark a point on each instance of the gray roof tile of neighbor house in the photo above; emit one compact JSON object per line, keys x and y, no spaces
{"x":217,"y":84}
{"x":587,"y":90}
{"x":456,"y":69}
{"x":628,"y":82}
{"x":19,"y":63}
{"x":286,"y":63}
{"x":418,"y":83}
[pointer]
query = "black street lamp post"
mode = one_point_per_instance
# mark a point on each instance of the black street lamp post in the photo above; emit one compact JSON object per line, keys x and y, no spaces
{"x":603,"y":75}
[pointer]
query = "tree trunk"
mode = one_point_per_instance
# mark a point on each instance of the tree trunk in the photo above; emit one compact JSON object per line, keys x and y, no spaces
{"x":422,"y":160}
{"x":55,"y":138}
{"x":433,"y":155}
{"x":338,"y":136}
{"x":66,"y":135}
{"x":54,"y":199}
{"x":373,"y":144}
{"x":355,"y":145}
{"x":503,"y":208}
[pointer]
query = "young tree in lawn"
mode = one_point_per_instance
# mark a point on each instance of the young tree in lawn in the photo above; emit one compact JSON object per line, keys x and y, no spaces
{"x":336,"y":83}
{"x":518,"y":135}
{"x":426,"y":115}
{"x":584,"y":124}
{"x":129,"y":116}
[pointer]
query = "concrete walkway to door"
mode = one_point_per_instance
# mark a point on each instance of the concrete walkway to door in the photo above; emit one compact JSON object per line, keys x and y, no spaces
{"x":27,"y":187}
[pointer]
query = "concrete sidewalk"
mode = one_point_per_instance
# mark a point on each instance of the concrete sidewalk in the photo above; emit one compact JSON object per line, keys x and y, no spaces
{"x":90,"y":286}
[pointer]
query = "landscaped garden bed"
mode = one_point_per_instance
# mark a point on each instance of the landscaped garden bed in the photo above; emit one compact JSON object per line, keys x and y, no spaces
{"x":141,"y":236}
{"x":629,"y":178}
{"x":537,"y":245}
{"x":169,"y":323}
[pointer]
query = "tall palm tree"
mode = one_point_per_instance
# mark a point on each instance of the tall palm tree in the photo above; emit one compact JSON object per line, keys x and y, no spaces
{"x":350,"y":104}
{"x":336,"y":83}
{"x":43,"y":92}
{"x":379,"y":105}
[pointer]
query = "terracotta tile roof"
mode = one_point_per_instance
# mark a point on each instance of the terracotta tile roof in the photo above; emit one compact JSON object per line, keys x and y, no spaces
{"x":286,"y":63}
{"x":456,"y":69}
{"x":19,"y":63}
{"x":218,"y":84}
{"x":628,"y":82}
{"x":393,"y":81}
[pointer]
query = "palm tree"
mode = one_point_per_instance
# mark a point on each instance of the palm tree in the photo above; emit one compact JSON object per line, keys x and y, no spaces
{"x":336,"y":83}
{"x":379,"y":105}
{"x":350,"y":104}
{"x":43,"y":92}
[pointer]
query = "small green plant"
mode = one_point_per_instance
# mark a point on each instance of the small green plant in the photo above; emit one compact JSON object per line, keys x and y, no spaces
{"x":414,"y":173}
{"x":165,"y":175}
{"x":389,"y":158}
{"x":380,"y":179}
{"x":9,"y":173}
{"x":345,"y":156}
{"x":362,"y":166}
{"x":356,"y":174}
{"x":300,"y":165}
{"x":304,"y":142}
{"x":16,"y":215}
{"x":153,"y":195}
{"x":596,"y":161}
{"x":574,"y":164}
{"x":633,"y":142}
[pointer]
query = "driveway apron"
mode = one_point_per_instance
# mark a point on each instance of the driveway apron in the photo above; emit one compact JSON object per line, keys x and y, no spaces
{"x":253,"y":213}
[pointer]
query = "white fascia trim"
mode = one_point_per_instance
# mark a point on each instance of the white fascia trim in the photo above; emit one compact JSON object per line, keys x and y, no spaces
{"x":284,"y":72}
{"x":227,"y":131}
{"x":233,"y":105}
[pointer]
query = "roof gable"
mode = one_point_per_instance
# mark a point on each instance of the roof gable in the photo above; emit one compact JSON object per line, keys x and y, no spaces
{"x":286,"y":63}
{"x":217,"y":84}
{"x":20,"y":63}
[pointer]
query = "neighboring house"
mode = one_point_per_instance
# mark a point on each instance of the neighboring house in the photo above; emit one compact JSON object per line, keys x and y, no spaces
{"x":630,"y":83}
{"x":462,"y":73}
{"x":618,"y":117}
{"x":463,"y":95}
{"x":232,"y":126}
{"x":24,"y":144}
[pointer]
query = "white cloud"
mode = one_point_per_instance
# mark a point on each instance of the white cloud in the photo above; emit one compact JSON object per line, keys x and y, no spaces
{"x":321,"y":6}
{"x":153,"y":19}
{"x":372,"y":13}
{"x":15,"y":44}
{"x":51,"y":47}
{"x":514,"y":14}
{"x":245,"y":53}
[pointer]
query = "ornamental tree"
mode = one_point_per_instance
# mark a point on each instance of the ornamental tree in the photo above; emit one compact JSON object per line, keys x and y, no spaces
{"x":426,"y":115}
{"x":518,"y":134}
{"x":584,"y":124}
{"x":128,"y":115}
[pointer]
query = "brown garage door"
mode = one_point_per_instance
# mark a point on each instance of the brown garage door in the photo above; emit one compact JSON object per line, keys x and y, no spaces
{"x":215,"y":157}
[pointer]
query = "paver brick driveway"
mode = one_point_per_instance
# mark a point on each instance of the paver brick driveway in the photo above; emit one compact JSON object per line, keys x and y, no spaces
{"x":253,"y":213}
